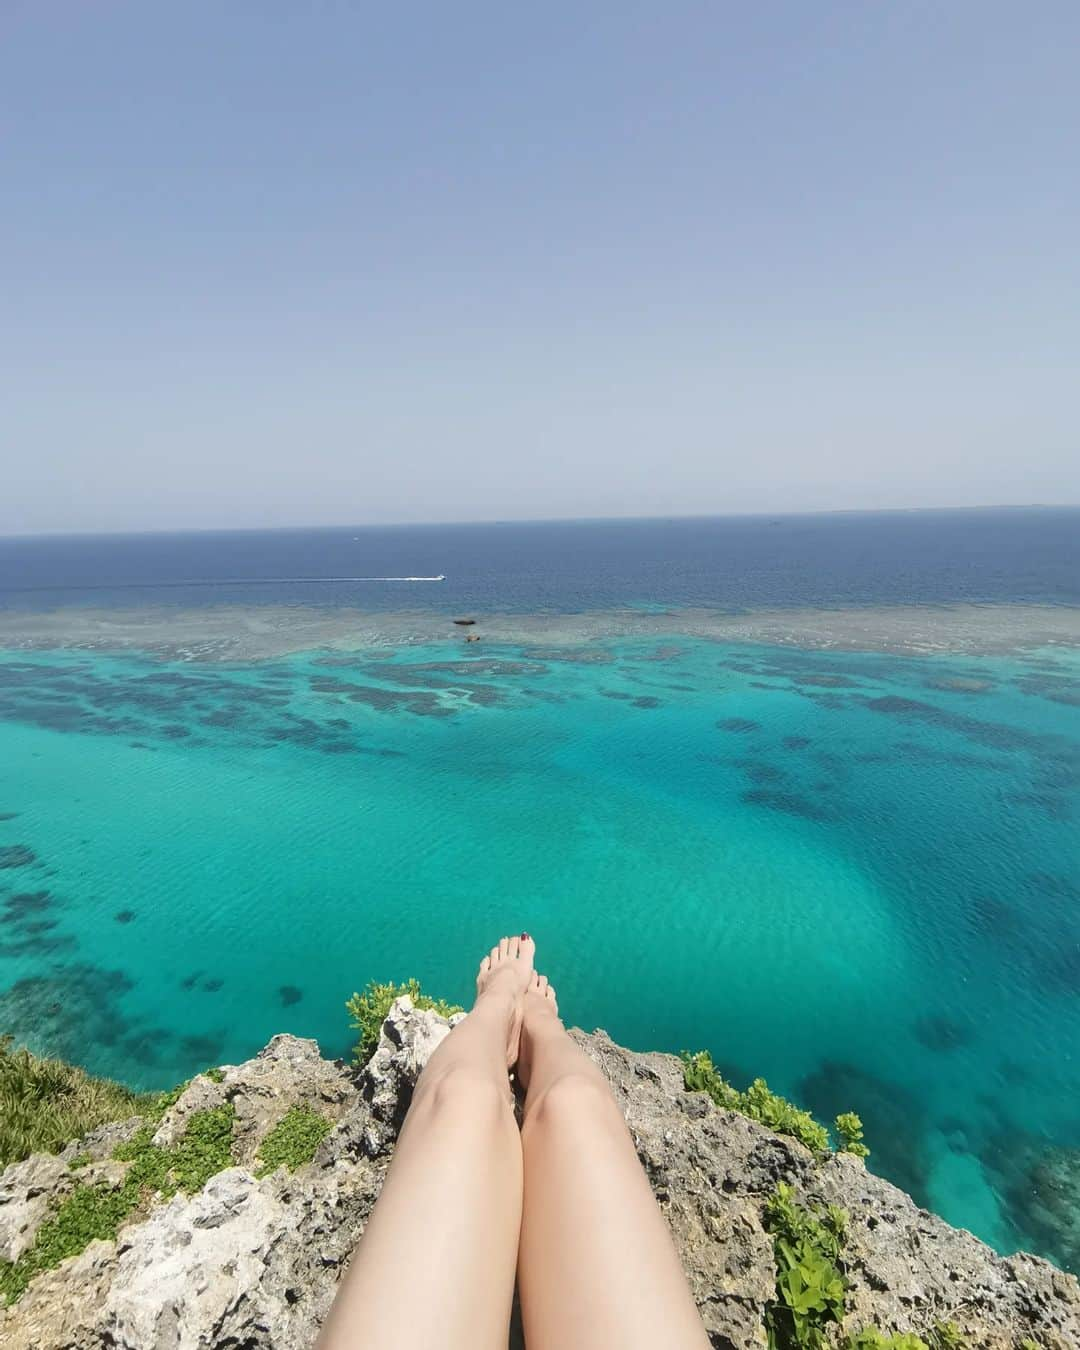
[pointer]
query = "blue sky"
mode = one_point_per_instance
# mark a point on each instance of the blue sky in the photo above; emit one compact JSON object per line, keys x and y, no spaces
{"x":284,"y":263}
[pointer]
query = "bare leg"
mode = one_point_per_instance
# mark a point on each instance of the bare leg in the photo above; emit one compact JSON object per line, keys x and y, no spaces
{"x":596,"y":1266}
{"x":435,"y":1265}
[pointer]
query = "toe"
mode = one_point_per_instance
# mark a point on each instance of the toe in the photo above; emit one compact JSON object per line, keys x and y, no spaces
{"x":504,"y":947}
{"x":515,"y":947}
{"x":485,"y":965}
{"x":493,"y":956}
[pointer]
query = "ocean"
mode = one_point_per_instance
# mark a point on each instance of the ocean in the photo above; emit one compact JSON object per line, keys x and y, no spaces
{"x":798,"y":790}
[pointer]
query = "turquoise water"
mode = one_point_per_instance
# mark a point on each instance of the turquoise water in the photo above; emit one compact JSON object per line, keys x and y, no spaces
{"x":855,"y":874}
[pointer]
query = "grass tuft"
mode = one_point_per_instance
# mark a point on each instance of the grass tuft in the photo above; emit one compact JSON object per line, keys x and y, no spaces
{"x":293,"y":1140}
{"x":45,"y":1103}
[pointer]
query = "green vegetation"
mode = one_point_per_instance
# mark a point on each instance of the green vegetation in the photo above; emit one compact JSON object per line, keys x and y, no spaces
{"x":758,"y":1102}
{"x":293,"y":1140}
{"x":811,"y":1288}
{"x":849,"y":1131}
{"x":215,"y":1075}
{"x":872,"y":1339}
{"x":157,"y":1103}
{"x":810,"y":1285}
{"x":45,"y":1103}
{"x":368,"y":1012}
{"x":79,"y":1161}
{"x":91,"y":1212}
{"x":944,"y":1336}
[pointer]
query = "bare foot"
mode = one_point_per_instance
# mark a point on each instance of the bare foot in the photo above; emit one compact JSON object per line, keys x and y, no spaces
{"x":504,"y":975}
{"x":541,"y":1013}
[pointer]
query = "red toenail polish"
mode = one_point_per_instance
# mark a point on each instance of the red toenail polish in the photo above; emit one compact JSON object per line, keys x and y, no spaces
{"x":524,"y":937}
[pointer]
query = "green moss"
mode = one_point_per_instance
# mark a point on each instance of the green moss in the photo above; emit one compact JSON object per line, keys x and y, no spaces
{"x":91,"y":1212}
{"x":79,"y":1161}
{"x":215,"y":1075}
{"x":293,"y":1140}
{"x":368,"y":1012}
{"x":45,"y":1103}
{"x":757,"y":1102}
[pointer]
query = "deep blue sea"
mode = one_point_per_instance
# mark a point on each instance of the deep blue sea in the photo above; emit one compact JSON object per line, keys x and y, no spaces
{"x":706,"y":762}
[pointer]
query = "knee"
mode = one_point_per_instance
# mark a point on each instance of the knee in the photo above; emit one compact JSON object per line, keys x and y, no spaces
{"x":573,"y":1097}
{"x":462,"y":1091}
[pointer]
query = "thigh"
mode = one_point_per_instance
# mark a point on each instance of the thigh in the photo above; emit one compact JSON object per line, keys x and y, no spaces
{"x":596,"y":1267}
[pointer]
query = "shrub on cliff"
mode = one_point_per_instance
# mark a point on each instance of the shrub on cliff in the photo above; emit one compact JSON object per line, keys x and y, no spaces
{"x":368,"y":1012}
{"x":45,"y":1103}
{"x":760,"y":1103}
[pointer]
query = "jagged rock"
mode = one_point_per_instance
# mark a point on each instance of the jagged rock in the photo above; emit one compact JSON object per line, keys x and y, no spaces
{"x":408,"y":1039}
{"x":26,"y":1191}
{"x":255,"y":1262}
{"x":288,"y":1072}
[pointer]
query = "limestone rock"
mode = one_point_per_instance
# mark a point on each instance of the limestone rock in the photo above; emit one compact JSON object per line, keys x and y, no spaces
{"x":408,"y":1039}
{"x":255,"y":1262}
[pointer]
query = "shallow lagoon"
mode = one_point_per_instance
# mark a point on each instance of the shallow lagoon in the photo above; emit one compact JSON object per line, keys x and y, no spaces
{"x":854,"y":873}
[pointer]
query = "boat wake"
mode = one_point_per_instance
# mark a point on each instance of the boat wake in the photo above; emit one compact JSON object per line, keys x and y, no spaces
{"x":213,"y":581}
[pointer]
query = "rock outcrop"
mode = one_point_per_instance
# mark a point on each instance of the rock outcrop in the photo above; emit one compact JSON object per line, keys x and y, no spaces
{"x":250,"y":1261}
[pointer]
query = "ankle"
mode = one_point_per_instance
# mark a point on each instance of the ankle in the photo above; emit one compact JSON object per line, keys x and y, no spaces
{"x":495,"y":1002}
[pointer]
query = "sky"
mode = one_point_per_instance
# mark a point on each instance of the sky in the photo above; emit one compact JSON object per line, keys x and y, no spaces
{"x":285,"y":263}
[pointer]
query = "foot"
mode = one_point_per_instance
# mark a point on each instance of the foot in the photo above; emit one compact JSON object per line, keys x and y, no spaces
{"x":540,"y":1013}
{"x":503,"y":978}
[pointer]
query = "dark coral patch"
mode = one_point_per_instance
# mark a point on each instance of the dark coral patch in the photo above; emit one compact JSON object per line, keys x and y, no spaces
{"x":822,"y":681}
{"x":1039,"y":1184}
{"x":16,"y":855}
{"x":738,"y":725}
{"x":23,"y":903}
{"x":204,"y":1049}
{"x":758,"y":771}
{"x":892,"y":1116}
{"x":8,"y":815}
{"x":70,"y":1012}
{"x":223,"y":717}
{"x":941,"y":1034}
{"x":145,"y":1046}
{"x":212,"y":986}
{"x":124,"y":916}
{"x":26,"y":943}
{"x":579,"y":656}
{"x":961,"y":684}
{"x":795,"y":742}
{"x":646,"y":701}
{"x":424,"y":703}
{"x":190,"y":981}
{"x":289,"y":994}
{"x":791,"y":803}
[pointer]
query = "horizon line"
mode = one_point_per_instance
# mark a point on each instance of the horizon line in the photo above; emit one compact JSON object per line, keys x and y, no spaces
{"x":534,"y":520}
